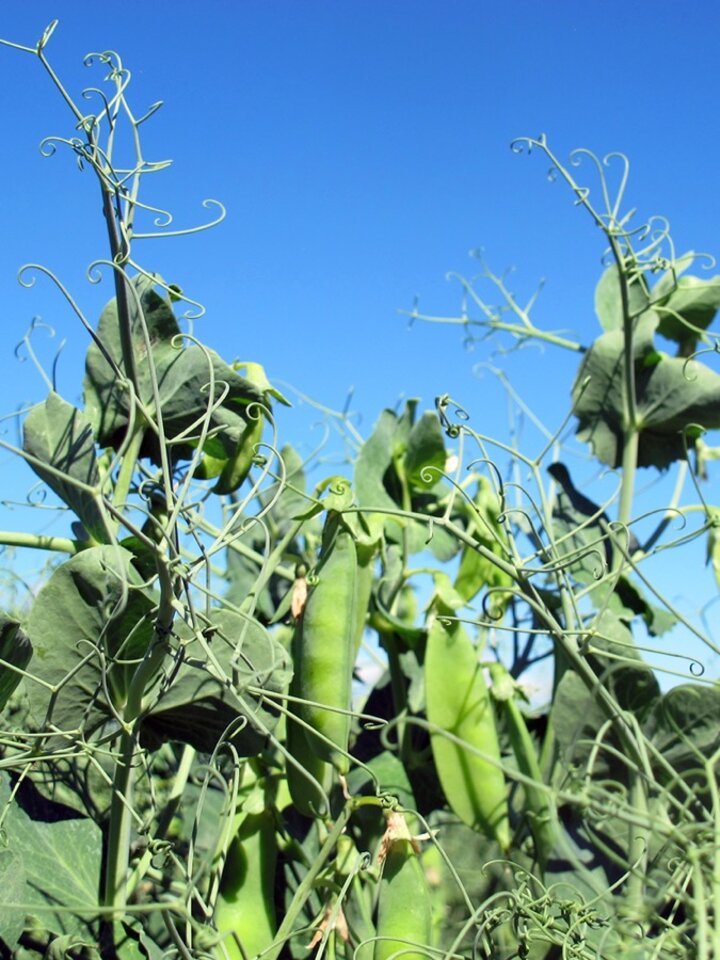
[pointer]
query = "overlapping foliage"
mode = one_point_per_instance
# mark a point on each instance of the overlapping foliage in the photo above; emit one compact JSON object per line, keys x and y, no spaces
{"x":253,"y":712}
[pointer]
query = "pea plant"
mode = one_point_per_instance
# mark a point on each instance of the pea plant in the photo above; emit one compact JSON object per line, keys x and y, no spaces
{"x":255,"y":711}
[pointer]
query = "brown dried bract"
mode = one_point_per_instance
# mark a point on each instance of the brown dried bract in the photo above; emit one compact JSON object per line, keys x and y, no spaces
{"x":299,"y":597}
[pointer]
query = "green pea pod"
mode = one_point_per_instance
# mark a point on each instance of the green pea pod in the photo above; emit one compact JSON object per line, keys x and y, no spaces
{"x":363,"y":589}
{"x":327,"y":647}
{"x":539,"y":808}
{"x":404,"y":917}
{"x":245,"y":908}
{"x":304,"y":793}
{"x":458,"y":702}
{"x":238,"y":466}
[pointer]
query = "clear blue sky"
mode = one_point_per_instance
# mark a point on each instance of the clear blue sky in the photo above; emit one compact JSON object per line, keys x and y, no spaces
{"x":361,"y":149}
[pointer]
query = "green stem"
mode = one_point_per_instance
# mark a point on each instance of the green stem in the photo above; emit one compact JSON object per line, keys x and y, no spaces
{"x":627,"y":488}
{"x":118,"y":851}
{"x":119,"y":831}
{"x":127,"y":467}
{"x":36,"y":541}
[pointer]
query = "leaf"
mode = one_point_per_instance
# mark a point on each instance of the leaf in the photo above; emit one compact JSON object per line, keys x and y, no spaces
{"x":211,"y":688}
{"x":88,"y":626}
{"x":132,"y":943}
{"x":255,"y":374}
{"x":183,"y":376}
{"x":59,"y":435}
{"x":425,"y":455}
{"x":616,"y":658}
{"x":608,"y":299}
{"x":671,"y":396}
{"x":15,"y":651}
{"x":378,"y":485}
{"x":54,"y":867}
{"x":373,"y":462}
{"x":685,"y":302}
{"x":476,"y":571}
{"x":685,"y":725}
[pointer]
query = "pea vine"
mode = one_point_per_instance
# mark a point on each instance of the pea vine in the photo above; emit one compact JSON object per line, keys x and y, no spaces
{"x":253,"y":710}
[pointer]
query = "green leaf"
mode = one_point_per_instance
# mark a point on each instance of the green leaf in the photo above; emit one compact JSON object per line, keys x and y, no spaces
{"x":88,"y":626}
{"x":671,"y":395}
{"x":608,"y":299}
{"x":183,"y":375}
{"x":685,"y":726}
{"x":211,"y":688}
{"x":617,"y":660}
{"x":51,"y":869}
{"x":15,"y":651}
{"x":477,"y":572}
{"x":446,"y":594}
{"x":687,"y":304}
{"x":373,"y":463}
{"x":425,"y":455}
{"x":378,"y":484}
{"x":60,"y":436}
{"x":132,"y":943}
{"x":255,"y":374}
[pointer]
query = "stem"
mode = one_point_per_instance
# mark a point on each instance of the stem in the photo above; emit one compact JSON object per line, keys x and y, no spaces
{"x":118,"y":856}
{"x":37,"y":541}
{"x":127,"y":467}
{"x":627,"y":488}
{"x":118,"y":851}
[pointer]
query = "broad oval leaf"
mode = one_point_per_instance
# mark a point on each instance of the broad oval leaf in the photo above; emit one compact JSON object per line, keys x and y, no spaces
{"x":671,"y":395}
{"x":212,"y":687}
{"x":60,"y":439}
{"x":608,"y":298}
{"x":89,"y":626}
{"x":183,"y":374}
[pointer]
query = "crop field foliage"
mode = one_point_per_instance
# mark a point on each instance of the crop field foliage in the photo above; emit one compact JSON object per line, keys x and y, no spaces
{"x":255,"y":710}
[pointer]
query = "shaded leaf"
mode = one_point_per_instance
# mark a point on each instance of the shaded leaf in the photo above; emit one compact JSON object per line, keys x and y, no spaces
{"x":88,"y":626}
{"x":183,"y":375}
{"x":608,"y":298}
{"x":685,"y":725}
{"x":15,"y":651}
{"x":672,"y":395}
{"x":41,"y":866}
{"x":687,"y":304}
{"x":211,"y":688}
{"x":59,"y":435}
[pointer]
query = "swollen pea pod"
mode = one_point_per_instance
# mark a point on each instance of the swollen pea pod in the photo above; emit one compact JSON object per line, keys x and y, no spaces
{"x":539,"y":808}
{"x":404,"y":917}
{"x":245,"y":908}
{"x":304,"y":793}
{"x":363,"y":589}
{"x":327,"y":646}
{"x":458,"y":703}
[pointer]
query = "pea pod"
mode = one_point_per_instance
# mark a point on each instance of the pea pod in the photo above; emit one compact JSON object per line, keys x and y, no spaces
{"x":363,"y":589}
{"x":238,"y":466}
{"x":404,"y":916}
{"x":245,"y":909}
{"x":327,"y":646}
{"x":539,"y":808}
{"x":304,"y":793}
{"x":458,"y":703}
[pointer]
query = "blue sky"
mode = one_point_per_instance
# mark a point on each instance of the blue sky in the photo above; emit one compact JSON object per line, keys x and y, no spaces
{"x":361,"y":149}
